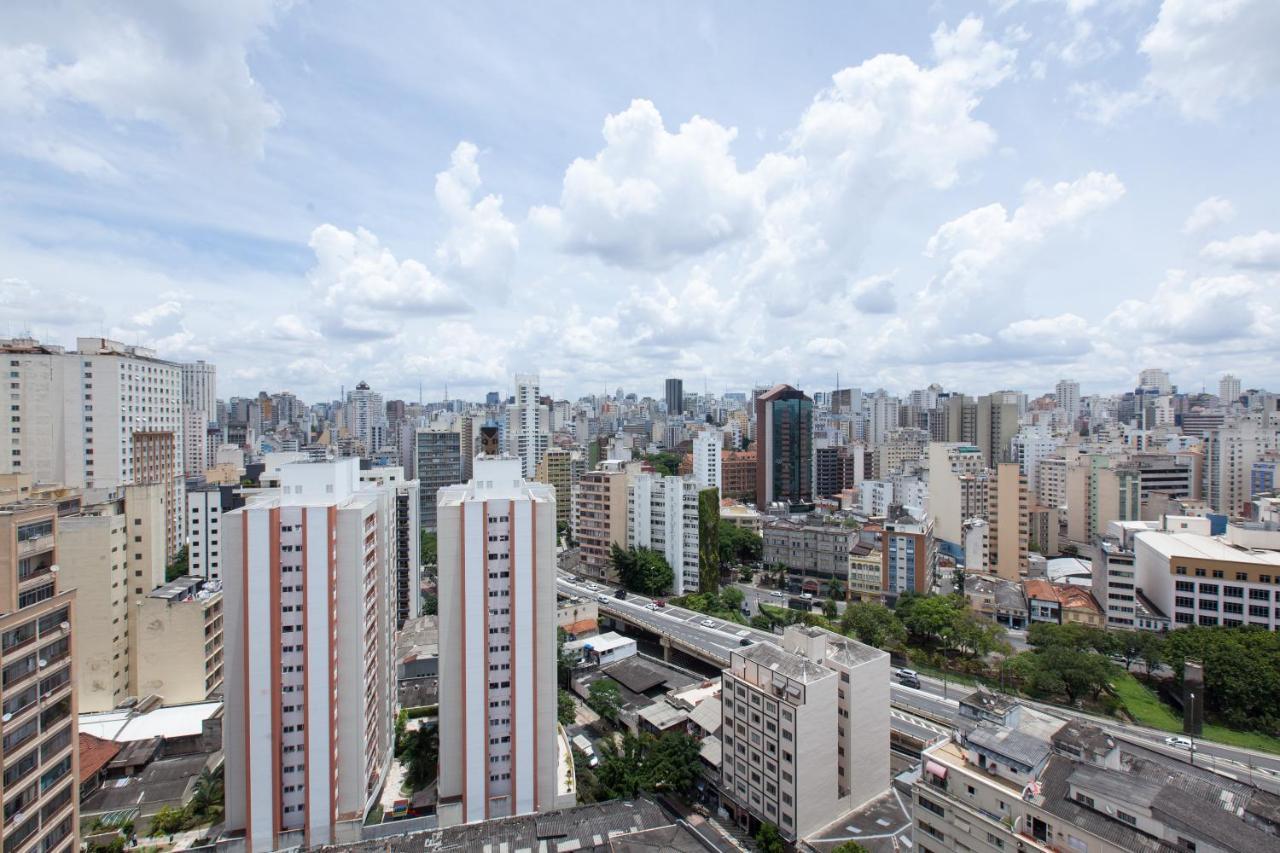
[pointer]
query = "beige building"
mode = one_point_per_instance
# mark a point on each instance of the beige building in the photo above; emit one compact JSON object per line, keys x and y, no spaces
{"x":952,"y":469}
{"x":814,"y":554}
{"x":600,"y":517}
{"x":1045,"y":521}
{"x":556,"y":469}
{"x":740,"y":515}
{"x":787,"y":711}
{"x":1009,"y":522}
{"x":1051,"y":481}
{"x":176,"y":648}
{"x":865,"y":570}
{"x":94,"y":549}
{"x":41,"y":782}
{"x":1098,"y":493}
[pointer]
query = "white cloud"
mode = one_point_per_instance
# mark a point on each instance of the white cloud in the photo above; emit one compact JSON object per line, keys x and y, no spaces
{"x":26,"y":303}
{"x":1200,"y":310}
{"x":1261,"y":250}
{"x":354,"y":272}
{"x":1214,"y":210}
{"x":826,"y":348}
{"x":181,"y":64}
{"x":1207,"y":54}
{"x":480,"y":247}
{"x":874,"y":295}
{"x":651,"y":197}
{"x":982,"y":238}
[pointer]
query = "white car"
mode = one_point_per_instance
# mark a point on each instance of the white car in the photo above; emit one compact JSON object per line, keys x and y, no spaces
{"x":907,"y":673}
{"x":651,"y":606}
{"x":1180,"y":742}
{"x":777,"y":593}
{"x":707,"y":623}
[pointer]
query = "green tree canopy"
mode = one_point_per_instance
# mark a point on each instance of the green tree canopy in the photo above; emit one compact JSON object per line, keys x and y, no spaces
{"x":769,"y":840}
{"x":739,"y":545}
{"x":642,"y":570}
{"x":709,"y":540}
{"x":604,"y":697}
{"x":1241,"y":672}
{"x":566,"y":709}
{"x":873,"y":624}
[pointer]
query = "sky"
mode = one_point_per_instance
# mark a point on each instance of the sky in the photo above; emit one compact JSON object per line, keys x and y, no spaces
{"x":983,"y":194}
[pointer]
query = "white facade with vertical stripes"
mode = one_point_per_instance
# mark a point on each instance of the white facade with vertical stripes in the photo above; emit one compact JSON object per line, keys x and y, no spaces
{"x":496,"y":556}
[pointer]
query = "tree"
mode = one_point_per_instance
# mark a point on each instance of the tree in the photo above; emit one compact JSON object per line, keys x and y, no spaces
{"x":709,"y":540}
{"x":673,"y":763}
{"x":604,"y":697}
{"x":873,"y":624}
{"x":564,"y":660}
{"x":829,"y":608}
{"x":565,"y":532}
{"x":1152,"y":652}
{"x":177,"y":566}
{"x":566,"y":708}
{"x":207,"y":794}
{"x":167,"y":821}
{"x":737,"y":544}
{"x":428,"y":550}
{"x":1060,"y":670}
{"x":422,"y":756}
{"x":664,"y":463}
{"x":768,"y":839}
{"x":850,"y":847}
{"x":430,"y":605}
{"x":642,"y":570}
{"x":777,"y":575}
{"x":732,"y":597}
{"x":957,"y":580}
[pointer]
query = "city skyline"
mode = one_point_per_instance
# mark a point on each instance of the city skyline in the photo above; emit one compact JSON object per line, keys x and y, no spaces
{"x":681,"y":206}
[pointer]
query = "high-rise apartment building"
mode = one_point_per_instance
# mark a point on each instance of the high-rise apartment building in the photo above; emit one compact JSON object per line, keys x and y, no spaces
{"x":407,"y":536}
{"x":1229,"y":453}
{"x":997,"y":424}
{"x":1009,"y":522}
{"x":600,"y":517}
{"x":438,"y":461}
{"x":41,"y":783}
{"x":949,"y":462}
{"x":784,"y":447}
{"x":1067,"y":396}
{"x":103,"y":416}
{"x":675,"y":397}
{"x":308,"y":667}
{"x":707,"y":448}
{"x":200,"y":388}
{"x":805,"y":730}
{"x":205,"y":507}
{"x":961,"y":414}
{"x":497,"y":575}
{"x":557,"y":470}
{"x":365,"y":418}
{"x":1229,"y":389}
{"x":528,"y":433}
{"x":909,"y":557}
{"x":1155,"y":379}
{"x":1099,"y":491}
{"x":662,"y":514}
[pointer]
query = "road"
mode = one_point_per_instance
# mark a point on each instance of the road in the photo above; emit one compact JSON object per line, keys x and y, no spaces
{"x":935,"y":700}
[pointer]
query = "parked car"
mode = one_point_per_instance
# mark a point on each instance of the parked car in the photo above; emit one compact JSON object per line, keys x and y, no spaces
{"x":1180,"y":742}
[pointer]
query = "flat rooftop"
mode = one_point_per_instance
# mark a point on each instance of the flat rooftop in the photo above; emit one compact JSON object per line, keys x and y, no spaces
{"x":792,"y":665}
{"x":1205,"y":547}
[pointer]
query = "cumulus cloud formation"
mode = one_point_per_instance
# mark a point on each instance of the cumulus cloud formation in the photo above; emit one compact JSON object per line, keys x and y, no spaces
{"x":874,"y":295}
{"x":1214,"y":210}
{"x":1189,"y":309}
{"x":28,"y":304}
{"x":363,"y":289}
{"x":651,"y":197}
{"x":480,"y":247}
{"x":1208,"y":54}
{"x":182,"y":65}
{"x":1258,"y":251}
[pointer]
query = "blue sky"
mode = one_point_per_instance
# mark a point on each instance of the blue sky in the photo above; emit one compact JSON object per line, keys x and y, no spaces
{"x":979,"y":194}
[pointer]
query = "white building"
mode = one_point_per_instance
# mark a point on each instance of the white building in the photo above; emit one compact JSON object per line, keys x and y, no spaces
{"x":205,"y":508}
{"x":200,"y":388}
{"x":1229,"y":389}
{"x":497,"y":575}
{"x":407,"y":578}
{"x":707,"y":445}
{"x":1067,"y":396}
{"x":366,"y":418}
{"x":308,"y":667}
{"x":527,"y":434}
{"x":1028,"y":447}
{"x":662,"y":514}
{"x":874,"y":497}
{"x":195,"y":438}
{"x":1229,"y":454}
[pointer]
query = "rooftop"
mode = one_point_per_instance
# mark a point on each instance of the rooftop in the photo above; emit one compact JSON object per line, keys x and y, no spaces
{"x":1205,"y":548}
{"x":124,"y":725}
{"x":789,"y":664}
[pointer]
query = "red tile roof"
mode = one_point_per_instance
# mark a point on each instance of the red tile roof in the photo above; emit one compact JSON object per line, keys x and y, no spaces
{"x":94,"y":755}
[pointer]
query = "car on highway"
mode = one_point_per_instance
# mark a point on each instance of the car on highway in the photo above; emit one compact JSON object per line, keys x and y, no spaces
{"x":603,"y":599}
{"x":651,"y":606}
{"x":777,"y":593}
{"x":906,"y":673}
{"x":661,"y":602}
{"x":707,"y":623}
{"x":621,"y":593}
{"x":1180,"y":742}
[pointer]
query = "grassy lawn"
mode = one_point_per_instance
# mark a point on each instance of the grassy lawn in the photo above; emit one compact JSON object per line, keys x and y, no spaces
{"x":1147,"y":710}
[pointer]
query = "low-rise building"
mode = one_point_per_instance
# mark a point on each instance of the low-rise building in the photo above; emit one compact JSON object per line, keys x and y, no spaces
{"x":996,"y":599}
{"x":814,"y":554}
{"x":909,"y":557}
{"x":740,"y":515}
{"x":866,"y":572}
{"x":176,"y":647}
{"x":1062,"y":603}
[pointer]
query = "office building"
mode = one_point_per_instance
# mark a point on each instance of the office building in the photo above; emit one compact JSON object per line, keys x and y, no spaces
{"x":438,"y":461}
{"x":815,"y":554}
{"x":787,"y":711}
{"x":1009,"y":522}
{"x":1229,"y":389}
{"x":675,"y":397}
{"x":41,"y":783}
{"x":738,"y":475}
{"x":784,"y":447}
{"x":600,"y":517}
{"x":308,"y":666}
{"x":175,"y":649}
{"x":1200,"y":579}
{"x":1156,"y":380}
{"x":1067,"y":397}
{"x":497,"y":576}
{"x":707,"y":447}
{"x":528,"y":430}
{"x":997,"y":424}
{"x":662,"y":514}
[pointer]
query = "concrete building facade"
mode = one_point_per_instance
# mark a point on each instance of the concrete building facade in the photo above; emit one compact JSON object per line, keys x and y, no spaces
{"x":662,"y":514}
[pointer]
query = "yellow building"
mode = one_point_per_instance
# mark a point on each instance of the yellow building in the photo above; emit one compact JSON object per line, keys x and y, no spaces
{"x":176,"y":652}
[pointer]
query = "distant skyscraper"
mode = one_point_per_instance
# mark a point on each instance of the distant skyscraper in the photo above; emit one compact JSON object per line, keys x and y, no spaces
{"x":528,"y":434}
{"x":308,"y":669}
{"x":1229,"y":388}
{"x":497,"y":576}
{"x":200,"y":388}
{"x":492,"y":398}
{"x":707,"y":445}
{"x":675,"y":396}
{"x":784,"y":446}
{"x":997,"y":424}
{"x":1067,"y":396}
{"x":366,"y":418}
{"x":1155,"y":379}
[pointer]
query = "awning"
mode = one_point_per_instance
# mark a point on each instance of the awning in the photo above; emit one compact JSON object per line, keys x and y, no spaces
{"x":936,"y":769}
